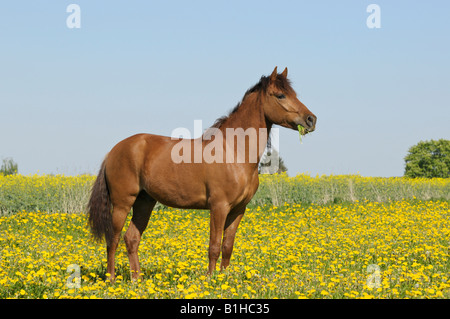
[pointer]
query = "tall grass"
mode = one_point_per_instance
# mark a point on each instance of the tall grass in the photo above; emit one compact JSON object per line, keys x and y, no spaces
{"x":278,"y":189}
{"x":50,"y":193}
{"x":70,"y":194}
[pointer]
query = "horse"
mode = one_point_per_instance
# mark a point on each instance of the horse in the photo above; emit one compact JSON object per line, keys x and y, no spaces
{"x":144,"y":169}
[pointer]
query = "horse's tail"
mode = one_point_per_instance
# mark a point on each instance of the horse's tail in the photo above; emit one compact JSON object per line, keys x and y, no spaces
{"x":99,"y":208}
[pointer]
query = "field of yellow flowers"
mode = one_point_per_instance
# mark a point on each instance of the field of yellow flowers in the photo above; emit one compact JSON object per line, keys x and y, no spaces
{"x":396,"y":249}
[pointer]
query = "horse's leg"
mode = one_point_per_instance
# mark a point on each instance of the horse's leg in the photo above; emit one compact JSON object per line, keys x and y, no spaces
{"x":119,"y":215}
{"x":142,"y":209}
{"x":217,"y":222}
{"x":231,"y":225}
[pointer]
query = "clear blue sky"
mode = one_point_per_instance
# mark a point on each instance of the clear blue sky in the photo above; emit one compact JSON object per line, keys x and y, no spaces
{"x":67,"y":96}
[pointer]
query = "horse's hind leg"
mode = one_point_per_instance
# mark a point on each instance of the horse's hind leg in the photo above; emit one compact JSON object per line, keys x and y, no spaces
{"x":119,"y":215}
{"x":142,"y":210}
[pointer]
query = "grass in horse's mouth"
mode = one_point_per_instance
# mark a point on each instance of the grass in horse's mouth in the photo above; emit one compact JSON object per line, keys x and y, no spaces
{"x":301,"y":131}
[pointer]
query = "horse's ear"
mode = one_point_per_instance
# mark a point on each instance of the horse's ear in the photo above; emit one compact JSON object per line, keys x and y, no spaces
{"x":274,"y":74}
{"x":284,"y":73}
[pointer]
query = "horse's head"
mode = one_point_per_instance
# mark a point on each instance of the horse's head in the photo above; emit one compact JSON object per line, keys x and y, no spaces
{"x":281,"y":105}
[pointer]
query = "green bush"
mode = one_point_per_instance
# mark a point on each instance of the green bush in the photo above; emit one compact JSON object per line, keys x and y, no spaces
{"x":428,"y":159}
{"x":9,"y":167}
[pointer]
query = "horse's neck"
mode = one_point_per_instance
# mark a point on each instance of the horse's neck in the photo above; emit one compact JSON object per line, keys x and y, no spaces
{"x":250,"y":115}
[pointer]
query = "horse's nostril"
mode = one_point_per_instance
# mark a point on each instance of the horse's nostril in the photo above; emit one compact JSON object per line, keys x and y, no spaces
{"x":311,"y":120}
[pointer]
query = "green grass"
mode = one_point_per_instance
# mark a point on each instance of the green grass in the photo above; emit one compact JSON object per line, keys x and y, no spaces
{"x":278,"y":189}
{"x":71,"y":193}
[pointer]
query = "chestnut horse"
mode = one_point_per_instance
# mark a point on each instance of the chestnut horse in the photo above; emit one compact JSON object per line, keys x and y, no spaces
{"x":140,"y":171}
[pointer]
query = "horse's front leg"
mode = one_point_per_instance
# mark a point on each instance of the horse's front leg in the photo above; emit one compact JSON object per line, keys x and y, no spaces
{"x":231,"y":225}
{"x":217,"y":222}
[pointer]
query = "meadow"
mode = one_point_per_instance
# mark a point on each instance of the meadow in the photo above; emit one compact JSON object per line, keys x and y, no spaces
{"x":335,"y":242}
{"x":70,"y":194}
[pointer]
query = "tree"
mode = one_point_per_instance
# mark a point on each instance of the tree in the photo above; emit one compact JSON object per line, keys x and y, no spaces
{"x":9,"y":167}
{"x":266,"y":167}
{"x":428,"y":159}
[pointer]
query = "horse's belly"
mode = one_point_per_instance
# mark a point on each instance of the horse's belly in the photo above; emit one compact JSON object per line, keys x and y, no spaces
{"x":179,"y":194}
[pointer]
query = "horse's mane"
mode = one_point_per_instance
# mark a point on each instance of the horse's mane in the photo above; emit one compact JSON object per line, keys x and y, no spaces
{"x":261,"y":87}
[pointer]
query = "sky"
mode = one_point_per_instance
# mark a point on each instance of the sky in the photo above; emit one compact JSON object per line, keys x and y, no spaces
{"x":68,"y":95}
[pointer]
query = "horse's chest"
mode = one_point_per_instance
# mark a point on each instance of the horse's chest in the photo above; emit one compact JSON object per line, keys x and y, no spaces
{"x":247,"y":190}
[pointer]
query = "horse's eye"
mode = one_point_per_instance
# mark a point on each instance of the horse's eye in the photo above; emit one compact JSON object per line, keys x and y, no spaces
{"x":281,"y":96}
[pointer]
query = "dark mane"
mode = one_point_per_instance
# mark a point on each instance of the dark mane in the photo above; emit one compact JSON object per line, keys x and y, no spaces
{"x":281,"y":82}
